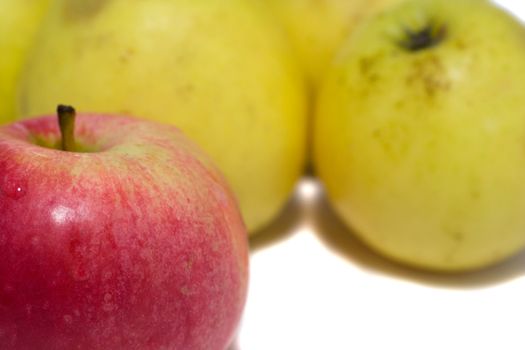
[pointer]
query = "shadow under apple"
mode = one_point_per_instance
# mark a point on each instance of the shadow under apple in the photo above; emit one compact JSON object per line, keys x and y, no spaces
{"x":285,"y":224}
{"x":339,"y":238}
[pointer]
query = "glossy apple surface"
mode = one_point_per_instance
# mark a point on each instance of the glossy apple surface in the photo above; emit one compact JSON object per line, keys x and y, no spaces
{"x":419,"y":134}
{"x":133,"y":243}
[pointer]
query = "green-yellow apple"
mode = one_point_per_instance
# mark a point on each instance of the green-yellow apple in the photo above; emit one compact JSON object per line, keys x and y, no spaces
{"x":19,"y":20}
{"x":419,"y":134}
{"x":125,"y":238}
{"x":318,"y":27}
{"x":218,"y":69}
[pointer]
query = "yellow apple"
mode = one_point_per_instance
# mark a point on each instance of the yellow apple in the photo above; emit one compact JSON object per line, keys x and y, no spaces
{"x":218,"y":69}
{"x":317,"y":27}
{"x":420,"y":134}
{"x":19,"y":19}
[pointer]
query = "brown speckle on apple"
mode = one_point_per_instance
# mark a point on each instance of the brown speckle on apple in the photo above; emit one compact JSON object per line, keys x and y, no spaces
{"x":74,"y":10}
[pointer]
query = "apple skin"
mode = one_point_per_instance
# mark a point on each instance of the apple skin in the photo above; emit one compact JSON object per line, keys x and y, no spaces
{"x":19,"y":22}
{"x":422,"y":152}
{"x":136,"y":244}
{"x":317,"y":28}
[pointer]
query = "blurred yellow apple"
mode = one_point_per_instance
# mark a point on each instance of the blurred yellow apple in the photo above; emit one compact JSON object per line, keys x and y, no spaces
{"x":317,"y":27}
{"x":420,"y":134}
{"x":19,"y":20}
{"x":218,"y":69}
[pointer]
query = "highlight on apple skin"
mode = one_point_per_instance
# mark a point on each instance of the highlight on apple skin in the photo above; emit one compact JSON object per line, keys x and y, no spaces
{"x":130,"y":241}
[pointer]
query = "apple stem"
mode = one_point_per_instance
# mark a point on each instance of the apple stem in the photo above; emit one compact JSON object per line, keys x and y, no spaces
{"x":66,"y":121}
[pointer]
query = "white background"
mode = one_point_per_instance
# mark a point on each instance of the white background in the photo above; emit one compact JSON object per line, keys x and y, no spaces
{"x":314,"y":286}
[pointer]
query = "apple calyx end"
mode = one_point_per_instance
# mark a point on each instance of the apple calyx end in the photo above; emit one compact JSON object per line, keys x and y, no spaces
{"x":426,"y":37}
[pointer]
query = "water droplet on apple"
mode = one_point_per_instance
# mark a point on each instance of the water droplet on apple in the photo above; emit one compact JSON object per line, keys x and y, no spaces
{"x":68,"y":319}
{"x":29,"y":309}
{"x":13,"y":189}
{"x":35,"y":241}
{"x":78,"y":259}
{"x":107,"y":307}
{"x":9,"y":289}
{"x":185,"y":290}
{"x":106,"y":276}
{"x":79,"y":273}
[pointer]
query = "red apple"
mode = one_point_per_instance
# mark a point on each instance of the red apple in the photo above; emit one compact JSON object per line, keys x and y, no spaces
{"x":129,"y":239}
